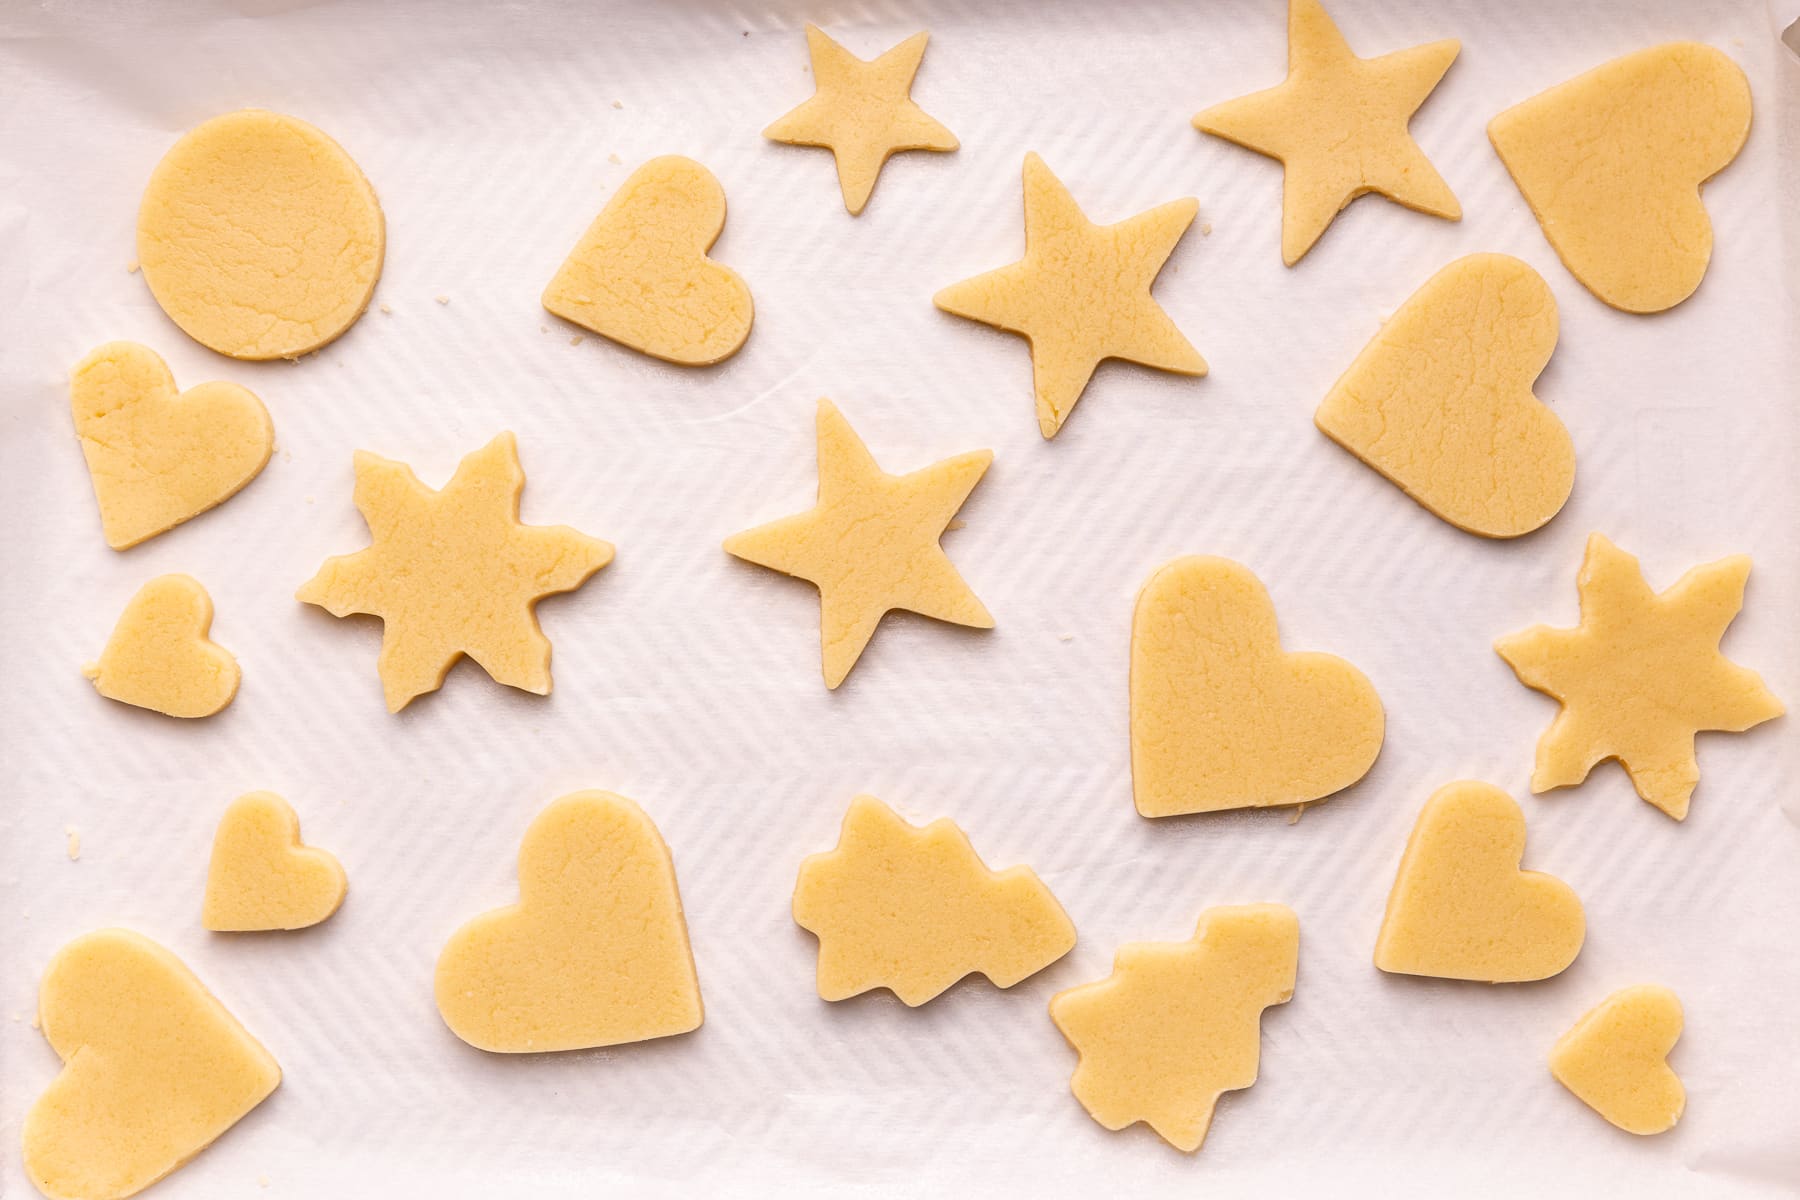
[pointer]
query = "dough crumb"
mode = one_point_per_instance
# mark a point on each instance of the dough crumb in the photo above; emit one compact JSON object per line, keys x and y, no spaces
{"x":441,"y":299}
{"x":1294,"y":816}
{"x":1065,"y":637}
{"x":34,"y":1021}
{"x":387,"y":310}
{"x":262,"y":1181}
{"x":577,"y":340}
{"x":131,"y":268}
{"x":1206,"y":229}
{"x":543,"y":329}
{"x":618,"y":104}
{"x":74,"y":842}
{"x":614,"y":158}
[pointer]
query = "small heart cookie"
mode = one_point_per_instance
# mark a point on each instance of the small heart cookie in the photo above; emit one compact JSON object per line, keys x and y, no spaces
{"x":1616,"y":1059}
{"x":1441,"y":401}
{"x":1223,"y":717}
{"x":160,"y":657}
{"x":1462,"y":909}
{"x":640,"y":274}
{"x":595,"y":952}
{"x":261,"y":876}
{"x":154,"y":1069}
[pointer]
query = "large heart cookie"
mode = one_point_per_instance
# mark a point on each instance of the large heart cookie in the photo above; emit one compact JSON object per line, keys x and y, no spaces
{"x":1616,"y":1059}
{"x":160,"y":657}
{"x":1221,"y":716}
{"x":1441,"y":401}
{"x":594,"y":953}
{"x":640,"y":274}
{"x":261,"y":876}
{"x":1612,"y":163}
{"x":154,"y":1069}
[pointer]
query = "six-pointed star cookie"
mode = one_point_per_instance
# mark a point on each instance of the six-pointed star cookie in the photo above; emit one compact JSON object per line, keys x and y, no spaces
{"x":861,"y":112}
{"x":1640,"y":676}
{"x":453,"y":572}
{"x":1338,"y":125}
{"x":871,"y":543}
{"x":1081,"y":294}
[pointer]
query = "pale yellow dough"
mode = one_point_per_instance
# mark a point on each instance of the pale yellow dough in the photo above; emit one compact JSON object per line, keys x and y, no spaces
{"x":640,"y":274}
{"x":1616,"y":1059}
{"x":157,"y":457}
{"x":154,"y":1069}
{"x":453,"y":572}
{"x":160,"y":657}
{"x":595,"y":952}
{"x":1221,"y":716}
{"x":1462,"y":909}
{"x":1640,"y":676}
{"x":261,"y":876}
{"x":914,"y":910}
{"x":259,"y":236}
{"x":1441,"y":401}
{"x":1177,"y":1024}
{"x":1612,"y":163}
{"x":870,"y":544}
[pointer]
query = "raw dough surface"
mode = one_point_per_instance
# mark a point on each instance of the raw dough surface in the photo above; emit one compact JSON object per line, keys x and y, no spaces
{"x":160,"y":657}
{"x":1616,"y":1059}
{"x":262,"y":876}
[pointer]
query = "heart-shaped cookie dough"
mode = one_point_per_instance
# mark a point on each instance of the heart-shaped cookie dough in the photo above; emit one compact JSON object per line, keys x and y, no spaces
{"x":154,"y":1069}
{"x":1612,"y":163}
{"x":261,"y":876}
{"x":156,"y":457}
{"x":640,"y":274}
{"x":594,"y":953}
{"x":1221,"y":716}
{"x":160,"y":657}
{"x":1462,"y":909}
{"x":1441,"y":401}
{"x":1616,"y":1059}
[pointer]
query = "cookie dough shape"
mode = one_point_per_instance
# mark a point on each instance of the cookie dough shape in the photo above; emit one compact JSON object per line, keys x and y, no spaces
{"x":156,"y":457}
{"x":595,"y":952}
{"x":1177,"y":1024}
{"x":1612,"y":163}
{"x":154,"y":1069}
{"x":1462,"y":909}
{"x":1221,"y":716}
{"x":915,"y":909}
{"x":160,"y":657}
{"x":1616,"y":1059}
{"x":1081,"y":294}
{"x":453,"y":572}
{"x":259,"y":236}
{"x":1339,"y":126}
{"x":262,"y":877}
{"x":640,"y":275}
{"x":862,"y":112}
{"x":1640,"y":675}
{"x":870,"y":544}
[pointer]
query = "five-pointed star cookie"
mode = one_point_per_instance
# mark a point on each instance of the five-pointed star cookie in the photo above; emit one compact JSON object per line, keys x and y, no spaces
{"x":453,"y":572}
{"x":1081,"y":294}
{"x":861,"y":112}
{"x":871,"y":543}
{"x":1640,"y":676}
{"x":1339,"y":126}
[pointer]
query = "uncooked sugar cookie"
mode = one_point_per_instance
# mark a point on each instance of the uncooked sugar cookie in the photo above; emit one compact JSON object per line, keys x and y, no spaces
{"x":1612,"y":163}
{"x":1616,"y":1059}
{"x":914,"y":910}
{"x":262,"y":876}
{"x":157,"y":457}
{"x":1640,"y":676}
{"x":259,"y":236}
{"x":160,"y":657}
{"x":595,"y":952}
{"x":154,"y":1069}
{"x":1221,"y":716}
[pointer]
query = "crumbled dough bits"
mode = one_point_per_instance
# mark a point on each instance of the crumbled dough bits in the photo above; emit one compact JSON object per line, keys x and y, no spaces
{"x":261,"y":876}
{"x":1612,"y":163}
{"x":1616,"y":1059}
{"x":1440,"y":402}
{"x":1461,"y":908}
{"x":1640,"y":675}
{"x":1177,"y":1024}
{"x":915,"y":909}
{"x":870,"y":544}
{"x":595,"y":952}
{"x":259,"y":236}
{"x":1339,"y":126}
{"x":160,"y":657}
{"x":1221,"y":716}
{"x":1081,"y":294}
{"x":154,"y":1069}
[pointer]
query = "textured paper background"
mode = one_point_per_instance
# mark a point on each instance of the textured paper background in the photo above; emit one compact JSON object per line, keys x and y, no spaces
{"x":690,"y":682}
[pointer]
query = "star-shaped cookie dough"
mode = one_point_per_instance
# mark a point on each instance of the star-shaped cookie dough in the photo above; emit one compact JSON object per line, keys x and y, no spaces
{"x":453,"y":572}
{"x":871,"y":543}
{"x":1640,"y":676}
{"x":1081,"y":294}
{"x":1339,"y":126}
{"x":862,"y":112}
